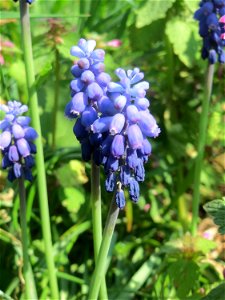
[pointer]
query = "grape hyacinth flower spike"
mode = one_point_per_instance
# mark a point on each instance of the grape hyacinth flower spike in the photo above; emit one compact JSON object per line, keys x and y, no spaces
{"x":16,"y":141}
{"x":88,"y":91}
{"x":211,"y":28}
{"x":125,"y":127}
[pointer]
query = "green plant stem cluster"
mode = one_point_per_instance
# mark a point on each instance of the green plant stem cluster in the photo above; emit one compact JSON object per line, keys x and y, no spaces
{"x":41,"y":176}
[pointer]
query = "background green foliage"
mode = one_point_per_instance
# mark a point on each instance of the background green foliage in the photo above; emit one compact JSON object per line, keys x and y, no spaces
{"x":152,"y":256}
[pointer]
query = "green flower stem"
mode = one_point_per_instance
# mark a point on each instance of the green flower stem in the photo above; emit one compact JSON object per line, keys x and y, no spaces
{"x":30,"y":289}
{"x":41,"y":176}
{"x":97,"y":219}
{"x":103,"y":252}
{"x":56,"y":96}
{"x":201,"y":145}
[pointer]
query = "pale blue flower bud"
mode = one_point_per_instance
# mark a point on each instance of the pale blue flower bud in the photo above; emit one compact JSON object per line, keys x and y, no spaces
{"x":120,"y":102}
{"x":132,"y":113}
{"x":118,"y":146}
{"x":78,"y":103}
{"x":5,"y":139}
{"x":94,"y":91}
{"x":117,"y":124}
{"x":13,"y":154}
{"x":135,"y":136}
{"x":23,"y":147}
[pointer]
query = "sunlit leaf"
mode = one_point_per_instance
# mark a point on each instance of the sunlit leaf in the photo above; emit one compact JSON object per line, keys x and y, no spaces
{"x":192,"y":4}
{"x":183,"y":35}
{"x":79,"y":169}
{"x":17,"y":71}
{"x":152,"y":10}
{"x":73,"y":199}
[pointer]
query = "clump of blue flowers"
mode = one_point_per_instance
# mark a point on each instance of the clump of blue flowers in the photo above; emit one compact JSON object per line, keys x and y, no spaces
{"x":16,"y":141}
{"x":210,"y":30}
{"x":113,"y":120}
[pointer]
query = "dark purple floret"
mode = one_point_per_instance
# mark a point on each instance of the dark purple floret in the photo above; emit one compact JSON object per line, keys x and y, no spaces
{"x":27,"y":174}
{"x":33,"y":148}
{"x":120,"y":199}
{"x":125,"y":175}
{"x":11,"y":175}
{"x":86,"y":149}
{"x":132,"y":158}
{"x":29,"y":161}
{"x":16,"y":141}
{"x":106,"y":145}
{"x":111,"y":165}
{"x":95,"y":139}
{"x":140,"y":170}
{"x":6,"y":162}
{"x":97,"y":156}
{"x":134,"y":190}
{"x":79,"y":130}
{"x":110,"y":182}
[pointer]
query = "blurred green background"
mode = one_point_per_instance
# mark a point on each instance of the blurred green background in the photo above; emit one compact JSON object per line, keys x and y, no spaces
{"x":153,"y":255}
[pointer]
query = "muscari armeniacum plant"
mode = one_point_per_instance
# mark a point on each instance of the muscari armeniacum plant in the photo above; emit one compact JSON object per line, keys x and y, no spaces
{"x":211,"y":17}
{"x":18,"y":150}
{"x":87,"y":88}
{"x":113,"y":124}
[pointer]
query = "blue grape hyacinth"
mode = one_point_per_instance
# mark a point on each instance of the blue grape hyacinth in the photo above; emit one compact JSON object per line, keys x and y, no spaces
{"x":16,"y":141}
{"x":87,"y":89}
{"x":126,"y":124}
{"x":113,"y":122}
{"x":210,"y":30}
